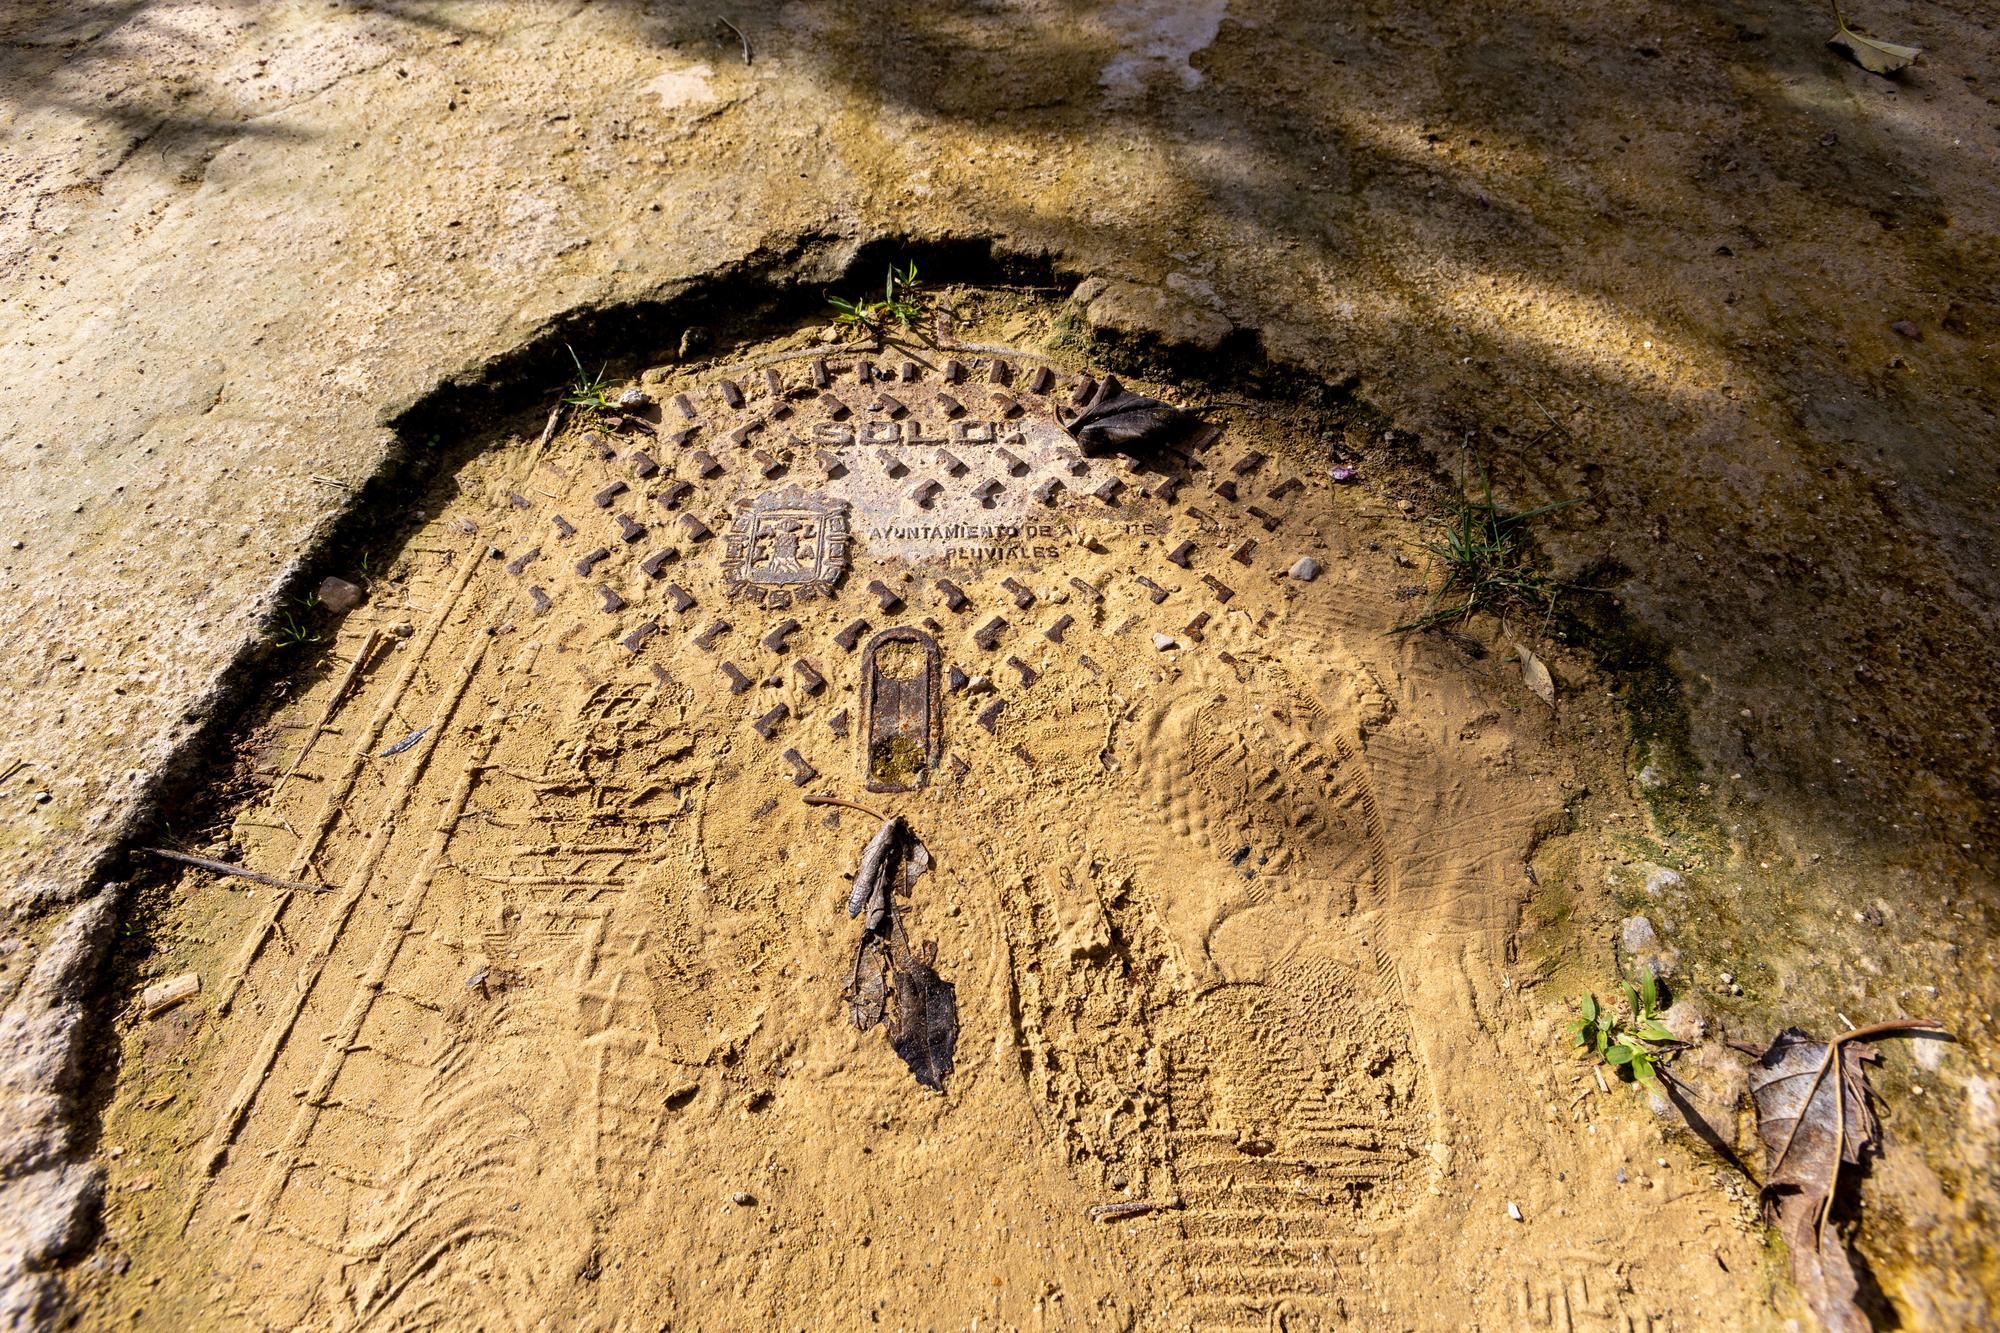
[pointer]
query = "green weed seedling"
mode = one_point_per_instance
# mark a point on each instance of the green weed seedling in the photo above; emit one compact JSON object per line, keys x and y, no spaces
{"x":903,"y":300}
{"x":293,"y":628}
{"x":1634,"y":1047}
{"x":1485,"y":564}
{"x":590,"y":392}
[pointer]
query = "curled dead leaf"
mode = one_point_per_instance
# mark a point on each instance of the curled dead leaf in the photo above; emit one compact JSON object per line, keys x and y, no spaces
{"x":1873,"y":55}
{"x":892,"y":983}
{"x":1813,"y":1118}
{"x":1535,"y":673}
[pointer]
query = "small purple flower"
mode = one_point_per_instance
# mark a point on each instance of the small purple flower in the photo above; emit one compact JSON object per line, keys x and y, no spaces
{"x":1344,"y":474}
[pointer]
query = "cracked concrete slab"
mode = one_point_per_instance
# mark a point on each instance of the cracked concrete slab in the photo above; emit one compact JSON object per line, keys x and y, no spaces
{"x":1657,"y":259}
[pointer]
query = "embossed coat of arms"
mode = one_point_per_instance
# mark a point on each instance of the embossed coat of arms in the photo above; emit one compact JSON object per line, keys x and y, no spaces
{"x":786,"y":544}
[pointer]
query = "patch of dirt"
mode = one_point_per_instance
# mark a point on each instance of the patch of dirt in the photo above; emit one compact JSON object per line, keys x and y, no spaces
{"x":1228,"y":879}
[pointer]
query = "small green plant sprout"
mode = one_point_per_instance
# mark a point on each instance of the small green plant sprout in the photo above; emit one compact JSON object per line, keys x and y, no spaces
{"x":1484,"y":562}
{"x":1635,"y":1048}
{"x":590,"y":392}
{"x":902,"y":300}
{"x":291,"y":628}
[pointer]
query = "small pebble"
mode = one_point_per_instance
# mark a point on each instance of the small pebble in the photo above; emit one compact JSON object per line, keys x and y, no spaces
{"x":742,"y":1199}
{"x":403,"y":629}
{"x":1306,"y":570}
{"x":1908,"y":330}
{"x":1345,"y":475}
{"x":1164,"y":642}
{"x":338,"y":595}
{"x":633,"y":399}
{"x":1514,"y":1211}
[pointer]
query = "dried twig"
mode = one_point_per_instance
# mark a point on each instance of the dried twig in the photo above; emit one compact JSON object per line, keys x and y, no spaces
{"x":239,"y":872}
{"x":835,"y":800}
{"x":739,"y":37}
{"x":549,"y":431}
{"x":1118,"y":1212}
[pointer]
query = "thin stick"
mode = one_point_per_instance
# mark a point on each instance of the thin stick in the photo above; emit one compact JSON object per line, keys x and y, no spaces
{"x":549,"y":431}
{"x":1826,"y":1060}
{"x":1545,"y":412}
{"x":240,"y":872}
{"x":819,"y":349}
{"x":835,"y":800}
{"x":740,"y":37}
{"x":346,"y":684}
{"x":12,"y":769}
{"x":1839,"y":1151}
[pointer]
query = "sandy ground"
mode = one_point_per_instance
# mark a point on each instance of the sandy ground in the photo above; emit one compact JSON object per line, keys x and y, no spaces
{"x":1650,"y":258}
{"x":1226,"y":880}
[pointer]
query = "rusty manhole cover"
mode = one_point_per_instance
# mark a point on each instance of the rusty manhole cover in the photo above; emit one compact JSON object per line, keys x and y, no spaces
{"x":579,"y":983}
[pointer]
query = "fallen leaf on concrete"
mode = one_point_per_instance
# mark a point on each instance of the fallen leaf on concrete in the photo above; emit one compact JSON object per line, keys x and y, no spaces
{"x":1877,"y":57}
{"x":1536,"y":673}
{"x":1813,"y":1118}
{"x":868,"y":986}
{"x":1118,"y":419}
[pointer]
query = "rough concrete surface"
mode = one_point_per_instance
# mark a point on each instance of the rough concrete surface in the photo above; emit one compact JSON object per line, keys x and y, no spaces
{"x":1679,"y":261}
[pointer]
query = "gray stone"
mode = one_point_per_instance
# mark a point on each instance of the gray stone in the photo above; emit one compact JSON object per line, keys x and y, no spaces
{"x":1135,"y":312}
{"x":1643,"y":946}
{"x":338,"y":595}
{"x":1306,"y":569}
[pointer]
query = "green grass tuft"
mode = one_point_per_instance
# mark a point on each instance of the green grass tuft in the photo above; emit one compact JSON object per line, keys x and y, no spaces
{"x":1484,"y":557}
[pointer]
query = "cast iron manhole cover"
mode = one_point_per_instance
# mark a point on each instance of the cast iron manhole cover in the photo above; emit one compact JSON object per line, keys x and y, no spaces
{"x":588,"y":899}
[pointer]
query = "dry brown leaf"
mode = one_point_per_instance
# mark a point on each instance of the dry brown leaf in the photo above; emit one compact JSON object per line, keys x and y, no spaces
{"x":890,"y":980}
{"x":1813,"y":1118}
{"x":1808,"y":1118}
{"x":1877,"y":57}
{"x":1536,"y":673}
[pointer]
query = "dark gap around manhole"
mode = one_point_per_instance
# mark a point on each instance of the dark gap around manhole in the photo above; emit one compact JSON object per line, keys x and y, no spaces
{"x":742,"y":307}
